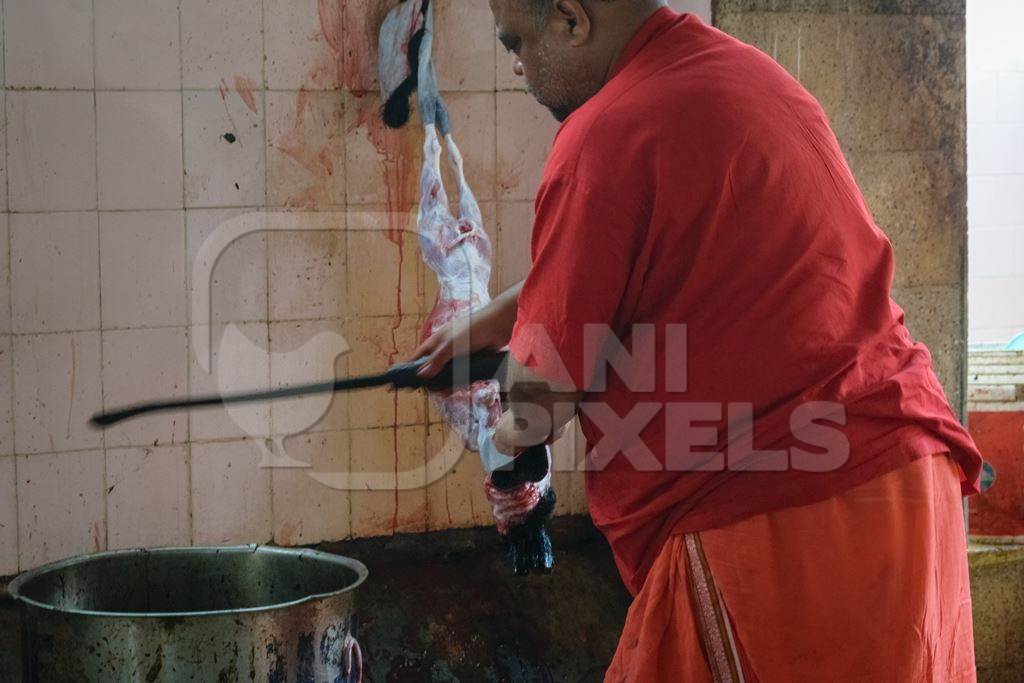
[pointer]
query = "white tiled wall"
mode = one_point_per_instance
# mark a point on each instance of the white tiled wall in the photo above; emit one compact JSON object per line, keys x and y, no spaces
{"x":132,"y":129}
{"x":995,"y":160}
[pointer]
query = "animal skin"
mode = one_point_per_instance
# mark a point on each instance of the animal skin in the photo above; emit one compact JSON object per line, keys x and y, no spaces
{"x":458,"y":250}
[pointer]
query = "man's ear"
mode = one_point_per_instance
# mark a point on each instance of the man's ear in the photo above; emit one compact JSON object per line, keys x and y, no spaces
{"x":572,"y":21}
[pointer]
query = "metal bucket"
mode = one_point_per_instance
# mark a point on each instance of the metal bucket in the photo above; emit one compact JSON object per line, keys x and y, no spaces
{"x":192,"y":614}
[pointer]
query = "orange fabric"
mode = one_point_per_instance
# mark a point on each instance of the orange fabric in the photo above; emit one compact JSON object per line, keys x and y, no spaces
{"x":870,"y":585}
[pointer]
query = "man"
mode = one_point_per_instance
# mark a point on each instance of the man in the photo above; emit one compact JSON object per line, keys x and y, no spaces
{"x":772,"y":458}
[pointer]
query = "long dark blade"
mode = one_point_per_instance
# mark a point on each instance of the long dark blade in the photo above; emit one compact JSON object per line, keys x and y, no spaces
{"x":107,"y":419}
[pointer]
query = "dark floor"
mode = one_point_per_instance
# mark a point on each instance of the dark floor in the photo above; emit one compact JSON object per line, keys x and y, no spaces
{"x":460,"y":615}
{"x":10,"y":640}
{"x":443,"y":607}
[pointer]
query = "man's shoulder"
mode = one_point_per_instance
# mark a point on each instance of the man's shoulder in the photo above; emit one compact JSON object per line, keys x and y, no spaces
{"x":701,"y":100}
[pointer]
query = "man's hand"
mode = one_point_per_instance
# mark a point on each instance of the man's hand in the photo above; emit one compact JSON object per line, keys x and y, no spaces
{"x":490,"y":328}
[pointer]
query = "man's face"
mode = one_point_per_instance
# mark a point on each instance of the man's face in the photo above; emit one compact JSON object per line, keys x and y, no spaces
{"x":557,"y":73}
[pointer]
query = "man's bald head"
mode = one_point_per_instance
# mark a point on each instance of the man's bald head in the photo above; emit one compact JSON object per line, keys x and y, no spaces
{"x":567,"y":48}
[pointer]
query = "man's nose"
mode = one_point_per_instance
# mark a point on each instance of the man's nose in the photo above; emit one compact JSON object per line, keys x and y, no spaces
{"x":517,"y":68}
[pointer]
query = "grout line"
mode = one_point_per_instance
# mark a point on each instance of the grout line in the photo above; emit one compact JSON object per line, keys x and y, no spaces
{"x":188,"y":283}
{"x":348,"y":109}
{"x":264,"y":152}
{"x":164,"y":209}
{"x":332,"y":319}
{"x":375,"y":207}
{"x":10,"y":296}
{"x":99,"y":272}
{"x":42,"y":89}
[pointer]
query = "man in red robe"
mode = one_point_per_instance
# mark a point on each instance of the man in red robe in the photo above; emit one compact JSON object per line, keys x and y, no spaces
{"x":771,"y":457}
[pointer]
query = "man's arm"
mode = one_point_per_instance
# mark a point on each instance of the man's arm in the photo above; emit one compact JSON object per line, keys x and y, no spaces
{"x":490,"y":328}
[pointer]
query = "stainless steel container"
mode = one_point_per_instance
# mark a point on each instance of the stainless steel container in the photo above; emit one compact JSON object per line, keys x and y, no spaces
{"x":192,"y":614}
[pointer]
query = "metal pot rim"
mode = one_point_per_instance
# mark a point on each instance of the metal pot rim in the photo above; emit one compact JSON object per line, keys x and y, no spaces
{"x":14,"y":587}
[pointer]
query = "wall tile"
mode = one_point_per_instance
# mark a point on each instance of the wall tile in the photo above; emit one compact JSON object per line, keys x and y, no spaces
{"x":51,"y":150}
{"x":472,"y":116}
{"x":505,"y":77}
{"x":5,"y":274}
{"x":230,"y":494}
{"x":307,"y":269}
{"x":995,"y":252}
{"x":244,"y":366}
{"x":306,"y":510}
{"x":6,"y":395}
{"x":995,"y":301}
{"x":377,"y":455}
{"x":56,"y":391}
{"x":993,"y":335}
{"x":995,"y":200}
{"x":579,"y":488}
{"x":356,"y":28}
{"x":515,"y":225}
{"x":576,"y":443}
{"x":219,"y":172}
{"x":3,"y":145}
{"x":457,"y":500}
{"x":385,"y":269}
{"x":563,"y":459}
{"x":54,"y":272}
{"x":377,"y":343}
{"x":60,"y":506}
{"x":147,"y":497}
{"x":995,"y":112}
{"x":1011,"y":97}
{"x":48,"y":44}
{"x":137,"y":45}
{"x":303,"y":352}
{"x":993,"y":32}
{"x":143,"y":268}
{"x":305,"y":149}
{"x":388,"y":161}
{"x":238,"y":282}
{"x":139,"y":148}
{"x":300,"y":54}
{"x":221,"y":40}
{"x":8,"y":517}
{"x":525,"y":133}
{"x":464,"y":51}
{"x":142,"y":365}
{"x":982,"y":96}
{"x":489,"y":212}
{"x":995,"y":148}
{"x":300,"y":160}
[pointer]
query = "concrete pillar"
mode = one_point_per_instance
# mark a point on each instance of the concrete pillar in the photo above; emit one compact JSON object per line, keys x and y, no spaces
{"x":891,"y":76}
